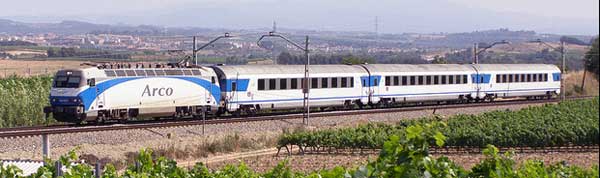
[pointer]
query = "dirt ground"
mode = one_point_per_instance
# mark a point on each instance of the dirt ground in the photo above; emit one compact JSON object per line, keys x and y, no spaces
{"x":314,"y":162}
{"x":33,"y":67}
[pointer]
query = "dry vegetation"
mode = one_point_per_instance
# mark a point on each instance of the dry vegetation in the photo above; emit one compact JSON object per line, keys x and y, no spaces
{"x":33,"y":67}
{"x":574,"y":81}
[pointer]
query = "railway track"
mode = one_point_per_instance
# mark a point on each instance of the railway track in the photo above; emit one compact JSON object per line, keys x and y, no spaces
{"x":70,"y":128}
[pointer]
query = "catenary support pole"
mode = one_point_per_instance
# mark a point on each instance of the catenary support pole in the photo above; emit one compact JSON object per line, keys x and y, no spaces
{"x":306,"y":76}
{"x":563,"y":70}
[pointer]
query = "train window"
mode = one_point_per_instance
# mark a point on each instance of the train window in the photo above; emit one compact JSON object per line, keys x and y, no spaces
{"x":261,"y":84}
{"x":540,"y":77}
{"x":404,"y":80}
{"x":498,"y":78}
{"x":413,"y":80}
{"x":351,"y":82}
{"x":510,"y":78}
{"x":272,"y":84}
{"x":140,"y":72}
{"x":436,"y":79}
{"x":334,"y":82}
{"x":465,"y":79}
{"x":110,"y":73}
{"x":187,"y":72}
{"x":314,"y":83}
{"x":534,"y":77}
{"x":130,"y":73}
{"x":504,"y":78}
{"x":396,"y":80}
{"x":196,"y":72}
{"x":450,"y":79}
{"x":545,"y":77}
{"x":344,"y":82}
{"x":283,"y":84}
{"x":420,"y":80}
{"x":457,"y":78}
{"x":294,"y":83}
{"x":212,"y":79}
{"x":324,"y":82}
{"x":521,"y":77}
{"x":150,"y":73}
{"x":443,"y":79}
{"x":233,"y":86}
{"x":517,"y":78}
{"x":428,"y":80}
{"x":387,"y":80}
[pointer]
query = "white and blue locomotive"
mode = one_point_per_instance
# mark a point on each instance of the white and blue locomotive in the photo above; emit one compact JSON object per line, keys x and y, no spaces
{"x":94,"y":94}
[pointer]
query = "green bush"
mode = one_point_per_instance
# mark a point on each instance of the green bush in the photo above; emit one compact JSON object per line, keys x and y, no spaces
{"x":22,"y":100}
{"x":564,"y":124}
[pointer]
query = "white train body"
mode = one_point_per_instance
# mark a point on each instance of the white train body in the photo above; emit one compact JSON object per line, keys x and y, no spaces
{"x":512,"y":80}
{"x":98,"y":94}
{"x":410,"y":83}
{"x":280,"y":86}
{"x":125,"y":93}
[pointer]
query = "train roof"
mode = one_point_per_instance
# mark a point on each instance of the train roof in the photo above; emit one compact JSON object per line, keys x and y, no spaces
{"x":418,"y":67}
{"x":287,"y":69}
{"x":516,"y":67}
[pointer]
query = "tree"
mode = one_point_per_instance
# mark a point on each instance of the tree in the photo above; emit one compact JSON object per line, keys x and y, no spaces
{"x":439,"y":60}
{"x":356,"y":60}
{"x":591,"y":59}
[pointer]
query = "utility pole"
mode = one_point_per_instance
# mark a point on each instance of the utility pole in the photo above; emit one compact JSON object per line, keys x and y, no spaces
{"x":305,"y":83}
{"x":563,"y":70}
{"x":194,"y":52}
{"x":475,"y":56}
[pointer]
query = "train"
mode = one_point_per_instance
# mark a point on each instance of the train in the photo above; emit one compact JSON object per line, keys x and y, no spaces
{"x":95,"y":94}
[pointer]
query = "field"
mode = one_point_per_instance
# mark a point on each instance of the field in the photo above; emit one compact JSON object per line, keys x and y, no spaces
{"x":26,"y":68}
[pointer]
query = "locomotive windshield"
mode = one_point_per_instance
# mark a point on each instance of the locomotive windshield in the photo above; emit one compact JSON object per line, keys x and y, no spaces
{"x":67,"y":79}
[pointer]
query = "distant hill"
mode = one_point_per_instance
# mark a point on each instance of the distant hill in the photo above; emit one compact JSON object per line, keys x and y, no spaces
{"x":78,"y":27}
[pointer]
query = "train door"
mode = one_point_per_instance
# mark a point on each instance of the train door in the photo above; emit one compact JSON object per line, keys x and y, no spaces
{"x":370,"y":88}
{"x":365,"y":91}
{"x":481,"y":84}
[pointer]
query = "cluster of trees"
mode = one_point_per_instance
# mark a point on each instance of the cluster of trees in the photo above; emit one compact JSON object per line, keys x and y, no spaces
{"x":591,"y":59}
{"x":413,"y":57}
{"x":17,"y":43}
{"x":79,"y":53}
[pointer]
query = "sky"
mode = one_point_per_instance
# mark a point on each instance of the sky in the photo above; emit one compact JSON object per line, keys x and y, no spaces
{"x":395,"y":16}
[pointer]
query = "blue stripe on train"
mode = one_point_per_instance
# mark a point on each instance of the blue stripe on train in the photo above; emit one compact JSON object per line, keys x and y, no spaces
{"x":410,"y":94}
{"x":90,"y":94}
